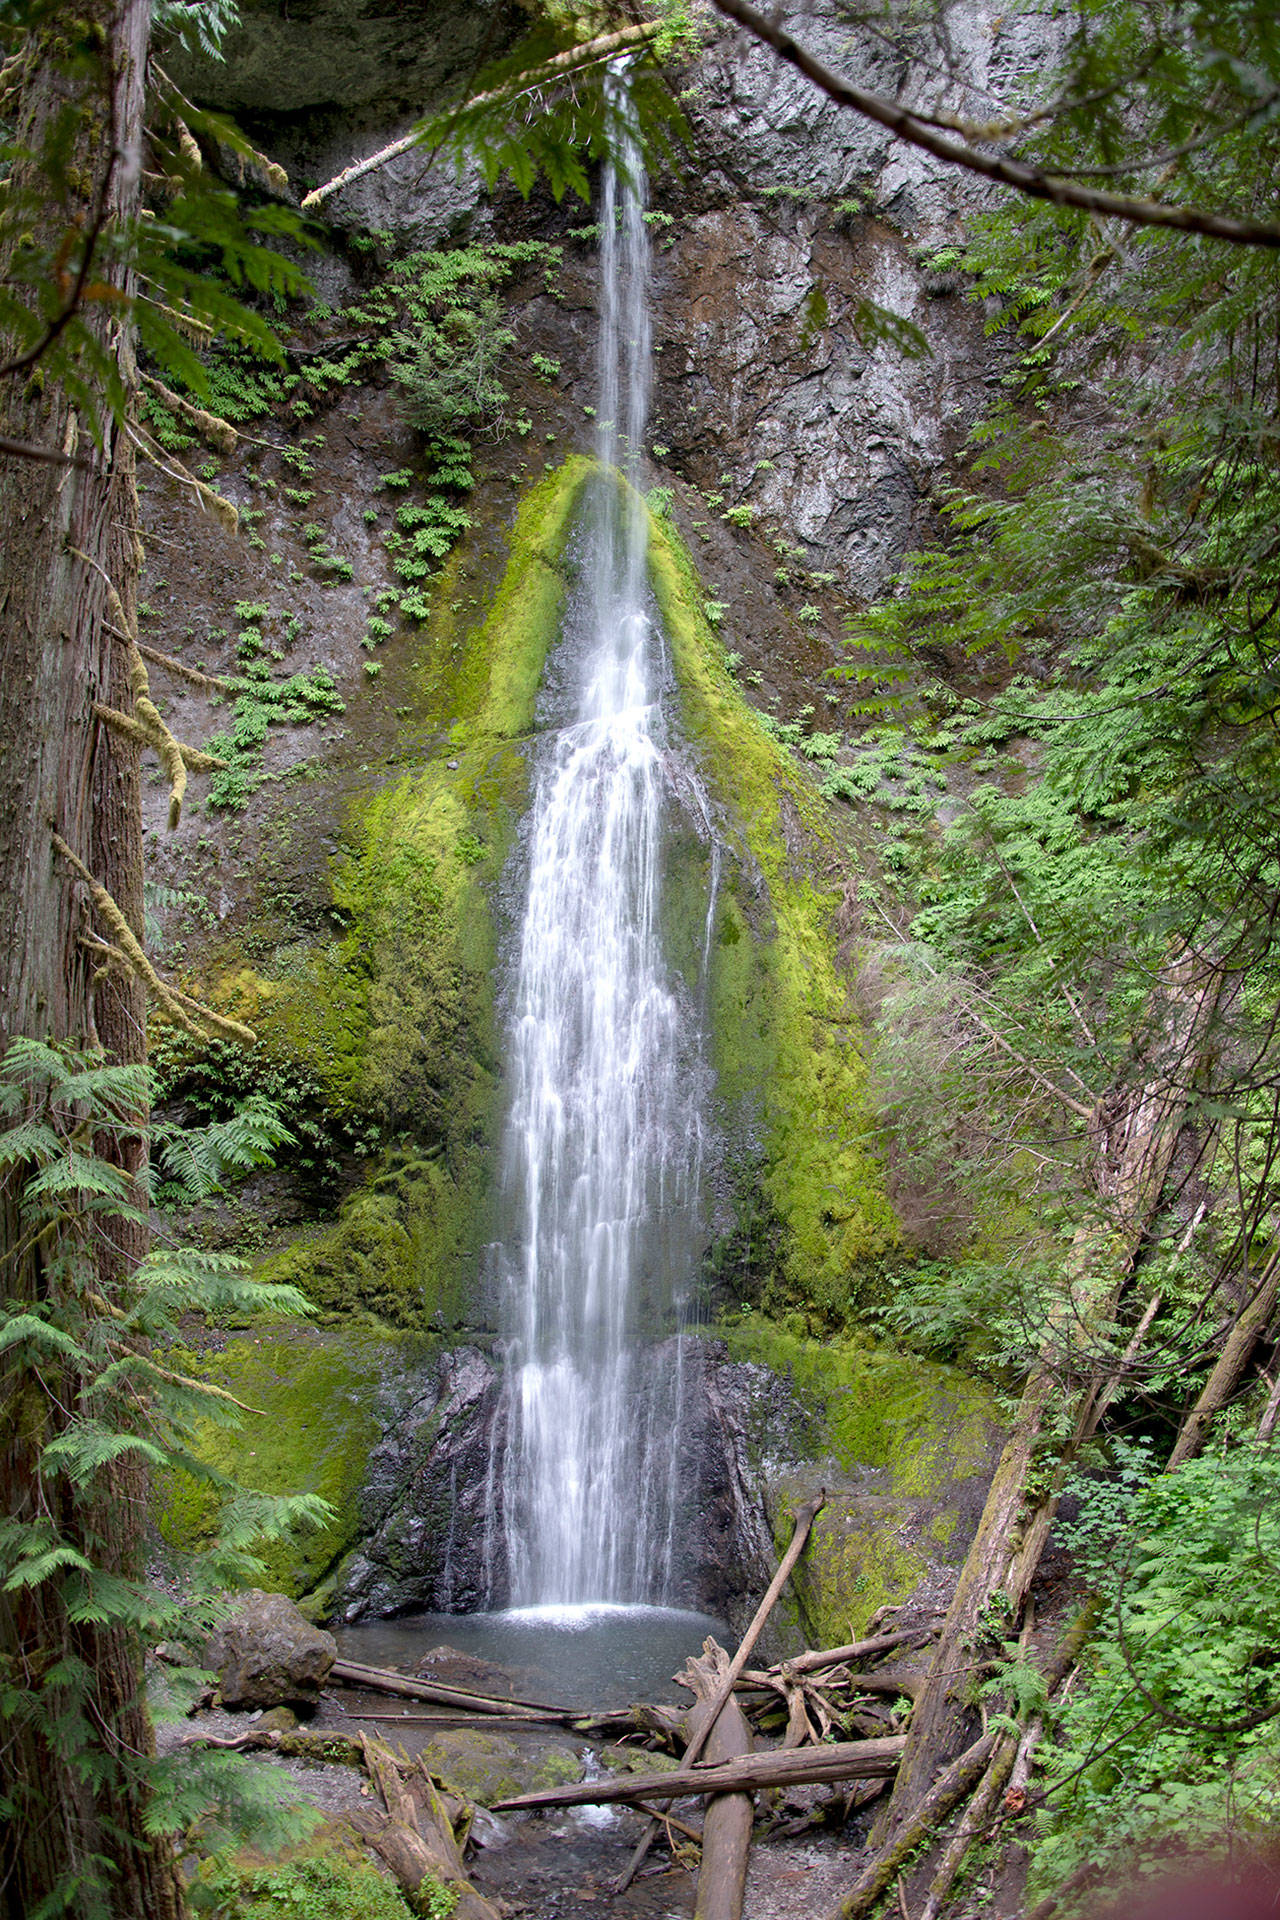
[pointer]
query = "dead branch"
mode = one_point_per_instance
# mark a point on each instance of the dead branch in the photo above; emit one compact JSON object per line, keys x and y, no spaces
{"x":804,"y":1519}
{"x":726,"y":1825}
{"x":588,"y":54}
{"x":382,"y":1680}
{"x":1060,"y":192}
{"x":933,"y":1808}
{"x":1227,"y":1370}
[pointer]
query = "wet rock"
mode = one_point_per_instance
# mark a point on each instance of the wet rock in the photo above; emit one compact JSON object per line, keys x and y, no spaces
{"x":485,"y":1767}
{"x":431,"y":1539}
{"x":635,"y":1760}
{"x":267,"y":1655}
{"x":457,"y":1669}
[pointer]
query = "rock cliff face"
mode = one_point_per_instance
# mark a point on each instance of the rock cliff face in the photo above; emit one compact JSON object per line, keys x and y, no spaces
{"x":797,"y":446}
{"x":433,"y":1505}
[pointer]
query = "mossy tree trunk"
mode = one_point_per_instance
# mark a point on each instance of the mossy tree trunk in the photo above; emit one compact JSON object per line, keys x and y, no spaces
{"x":76,"y":1833}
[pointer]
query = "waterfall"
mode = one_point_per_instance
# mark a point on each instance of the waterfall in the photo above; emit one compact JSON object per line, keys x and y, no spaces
{"x":601,"y":1161}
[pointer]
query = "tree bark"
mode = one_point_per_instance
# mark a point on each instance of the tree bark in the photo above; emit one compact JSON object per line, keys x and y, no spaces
{"x":60,"y":770}
{"x":726,"y":1825}
{"x":1229,"y":1367}
{"x":846,"y":1760}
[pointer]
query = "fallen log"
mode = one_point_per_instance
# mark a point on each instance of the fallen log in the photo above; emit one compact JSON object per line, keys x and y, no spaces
{"x":384,"y":1680}
{"x":1134,"y":1131}
{"x":856,"y":1650}
{"x":797,"y":1766}
{"x":930,"y":1811}
{"x":804,"y":1519}
{"x":418,"y":1843}
{"x":726,"y":1824}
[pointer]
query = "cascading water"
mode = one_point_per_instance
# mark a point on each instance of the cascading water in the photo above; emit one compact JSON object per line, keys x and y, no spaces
{"x":602,"y":1147}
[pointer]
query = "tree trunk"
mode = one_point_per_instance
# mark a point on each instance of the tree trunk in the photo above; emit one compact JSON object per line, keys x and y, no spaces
{"x":726,"y":1825}
{"x":1134,"y":1136}
{"x":1228,"y":1369}
{"x":59,"y":769}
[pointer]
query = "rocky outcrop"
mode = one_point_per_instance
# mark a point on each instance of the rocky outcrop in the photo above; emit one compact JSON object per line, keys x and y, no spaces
{"x":267,"y":1655}
{"x":433,"y":1502}
{"x":428,"y":1505}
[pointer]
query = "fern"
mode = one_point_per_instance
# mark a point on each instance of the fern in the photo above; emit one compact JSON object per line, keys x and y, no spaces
{"x":99,"y":1391}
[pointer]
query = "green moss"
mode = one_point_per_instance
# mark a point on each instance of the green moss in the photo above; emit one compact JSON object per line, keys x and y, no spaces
{"x":927,"y":1424}
{"x":485,"y":1767}
{"x":314,"y":1393}
{"x":483,"y":685}
{"x":906,"y":1435}
{"x":395,"y":1018}
{"x":785,"y":1046}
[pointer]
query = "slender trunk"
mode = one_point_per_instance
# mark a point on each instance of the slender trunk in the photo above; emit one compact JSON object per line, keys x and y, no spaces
{"x":1134,"y":1138}
{"x":1228,"y":1369}
{"x":73,"y":1827}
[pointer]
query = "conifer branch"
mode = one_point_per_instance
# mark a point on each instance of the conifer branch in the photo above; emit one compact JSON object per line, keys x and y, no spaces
{"x":590,"y":53}
{"x":219,"y":433}
{"x":227,"y":516}
{"x":146,"y":724}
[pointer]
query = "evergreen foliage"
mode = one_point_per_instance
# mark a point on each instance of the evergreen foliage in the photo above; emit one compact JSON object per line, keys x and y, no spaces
{"x":1109,"y":559}
{"x":107,"y":1398}
{"x":1176,"y":1733}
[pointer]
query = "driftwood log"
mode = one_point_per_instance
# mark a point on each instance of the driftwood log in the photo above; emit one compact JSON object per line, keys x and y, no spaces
{"x":804,"y":1519}
{"x":726,"y":1825}
{"x":383,"y":1680}
{"x":796,"y":1766}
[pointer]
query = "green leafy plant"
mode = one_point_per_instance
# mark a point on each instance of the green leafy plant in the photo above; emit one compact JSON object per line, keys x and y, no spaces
{"x":102,"y":1408}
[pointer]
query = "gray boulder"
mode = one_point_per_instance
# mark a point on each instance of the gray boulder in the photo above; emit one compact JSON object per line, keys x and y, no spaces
{"x":267,"y":1655}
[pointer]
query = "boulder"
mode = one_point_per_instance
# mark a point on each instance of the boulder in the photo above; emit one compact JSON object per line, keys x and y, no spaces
{"x":267,"y":1655}
{"x":490,"y":1766}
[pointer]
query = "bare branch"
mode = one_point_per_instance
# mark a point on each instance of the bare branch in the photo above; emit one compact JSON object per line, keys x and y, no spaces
{"x":1059,"y":192}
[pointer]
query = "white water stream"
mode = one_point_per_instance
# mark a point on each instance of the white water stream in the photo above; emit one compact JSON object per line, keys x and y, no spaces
{"x":602,"y":1156}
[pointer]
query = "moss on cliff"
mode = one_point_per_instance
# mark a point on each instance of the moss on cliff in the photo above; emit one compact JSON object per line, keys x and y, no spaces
{"x":790,"y":1075}
{"x":315,"y":1392}
{"x":395,"y":1017}
{"x":914,"y":1442}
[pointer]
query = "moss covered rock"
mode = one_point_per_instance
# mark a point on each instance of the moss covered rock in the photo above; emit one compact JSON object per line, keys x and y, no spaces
{"x":491,"y":1766}
{"x":316,"y":1395}
{"x":791,"y":1079}
{"x":909,"y":1449}
{"x":394,"y":1016}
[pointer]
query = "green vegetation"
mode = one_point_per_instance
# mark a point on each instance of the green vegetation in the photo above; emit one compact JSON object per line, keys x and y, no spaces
{"x":315,"y":1396}
{"x":813,"y":1216}
{"x":260,"y":703}
{"x":1176,"y":1731}
{"x":100,"y":1404}
{"x":325,"y":1886}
